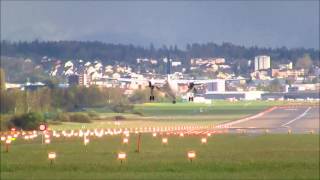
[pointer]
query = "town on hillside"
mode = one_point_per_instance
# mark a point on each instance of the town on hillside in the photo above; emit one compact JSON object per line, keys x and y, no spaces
{"x":223,"y":79}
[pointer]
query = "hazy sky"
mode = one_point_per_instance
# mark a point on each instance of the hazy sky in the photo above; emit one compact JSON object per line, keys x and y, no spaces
{"x":267,"y":24}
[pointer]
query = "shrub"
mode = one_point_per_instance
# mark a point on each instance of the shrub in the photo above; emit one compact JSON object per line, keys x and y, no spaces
{"x":121,"y":108}
{"x":80,"y":117}
{"x":62,"y":117}
{"x":117,"y":118}
{"x":6,"y":124}
{"x":54,"y":122}
{"x":28,"y":121}
{"x":93,"y":114}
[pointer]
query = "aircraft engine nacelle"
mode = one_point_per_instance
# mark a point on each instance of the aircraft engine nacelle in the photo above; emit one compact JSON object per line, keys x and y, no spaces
{"x":190,"y":85}
{"x":151,"y":83}
{"x":151,"y":86}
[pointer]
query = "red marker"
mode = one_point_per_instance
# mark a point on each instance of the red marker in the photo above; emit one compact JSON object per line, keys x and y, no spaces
{"x":42,"y":127}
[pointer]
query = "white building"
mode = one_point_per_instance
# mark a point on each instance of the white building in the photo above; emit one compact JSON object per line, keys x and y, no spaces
{"x":176,"y":63}
{"x":262,"y":63}
{"x":216,"y":85}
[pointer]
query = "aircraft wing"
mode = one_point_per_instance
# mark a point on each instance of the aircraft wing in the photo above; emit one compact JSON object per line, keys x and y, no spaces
{"x":195,"y":82}
{"x":193,"y":85}
{"x":142,"y":81}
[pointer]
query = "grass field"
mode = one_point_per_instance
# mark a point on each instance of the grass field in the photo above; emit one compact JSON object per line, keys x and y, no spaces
{"x":181,"y":114}
{"x":224,"y":157}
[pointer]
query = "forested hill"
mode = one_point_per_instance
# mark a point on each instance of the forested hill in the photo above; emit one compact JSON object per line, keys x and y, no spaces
{"x":110,"y":53}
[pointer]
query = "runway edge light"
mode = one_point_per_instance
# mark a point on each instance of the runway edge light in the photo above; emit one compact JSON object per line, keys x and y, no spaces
{"x":121,"y":156}
{"x":191,"y":155}
{"x":52,"y":156}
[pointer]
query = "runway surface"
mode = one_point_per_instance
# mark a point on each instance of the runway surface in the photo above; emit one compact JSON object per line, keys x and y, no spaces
{"x":299,"y":119}
{"x":279,"y":120}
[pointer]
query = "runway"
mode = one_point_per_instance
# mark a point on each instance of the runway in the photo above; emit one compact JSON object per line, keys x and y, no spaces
{"x":277,"y":120}
{"x":298,"y":119}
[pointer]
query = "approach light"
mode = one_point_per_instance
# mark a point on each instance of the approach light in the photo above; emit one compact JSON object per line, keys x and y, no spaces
{"x":164,"y":140}
{"x":191,"y":155}
{"x":154,"y":134}
{"x":204,"y":140}
{"x":125,"y":140}
{"x":122,"y":156}
{"x":8,"y":141}
{"x":181,"y":135}
{"x":47,"y":141}
{"x":86,"y":141}
{"x":127,"y":134}
{"x":52,"y":156}
{"x":209,"y":134}
{"x":3,"y":138}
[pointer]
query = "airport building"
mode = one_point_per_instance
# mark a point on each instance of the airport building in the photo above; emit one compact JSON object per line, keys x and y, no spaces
{"x":217,"y":85}
{"x":245,"y":95}
{"x":291,"y":95}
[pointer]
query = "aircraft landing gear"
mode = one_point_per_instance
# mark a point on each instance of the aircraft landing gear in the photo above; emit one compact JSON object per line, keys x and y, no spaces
{"x":190,"y":99}
{"x":151,"y":92}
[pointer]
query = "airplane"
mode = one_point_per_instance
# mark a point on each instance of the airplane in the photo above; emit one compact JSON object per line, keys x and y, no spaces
{"x":169,"y":86}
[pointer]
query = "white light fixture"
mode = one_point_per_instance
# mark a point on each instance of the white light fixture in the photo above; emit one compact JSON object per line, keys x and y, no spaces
{"x":52,"y":156}
{"x":3,"y":138}
{"x":191,"y":155}
{"x":204,"y":140}
{"x":86,"y":141}
{"x":125,"y":140}
{"x":122,"y":156}
{"x":164,"y":140}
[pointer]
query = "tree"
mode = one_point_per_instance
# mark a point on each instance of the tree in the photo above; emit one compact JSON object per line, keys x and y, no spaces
{"x":305,"y":63}
{"x":29,"y":121}
{"x":139,"y":96}
{"x":2,"y":80}
{"x":274,"y":86}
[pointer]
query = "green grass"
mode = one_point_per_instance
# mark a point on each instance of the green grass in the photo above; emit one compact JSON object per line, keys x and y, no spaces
{"x":180,"y":114}
{"x":131,"y":124}
{"x":194,"y":109}
{"x":224,"y":157}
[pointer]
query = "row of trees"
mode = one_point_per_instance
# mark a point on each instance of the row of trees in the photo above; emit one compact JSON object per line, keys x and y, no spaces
{"x":75,"y":98}
{"x":110,"y":53}
{"x":70,"y":99}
